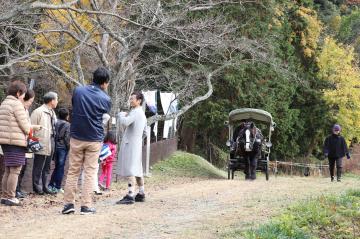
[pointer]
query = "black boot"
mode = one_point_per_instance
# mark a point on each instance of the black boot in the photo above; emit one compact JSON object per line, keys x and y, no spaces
{"x":140,"y":197}
{"x":338,"y":174}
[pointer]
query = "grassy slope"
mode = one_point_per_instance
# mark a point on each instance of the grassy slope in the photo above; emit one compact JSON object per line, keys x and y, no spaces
{"x":183,"y":164}
{"x":179,"y":168}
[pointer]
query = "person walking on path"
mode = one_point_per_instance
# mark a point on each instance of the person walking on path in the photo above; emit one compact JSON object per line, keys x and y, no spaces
{"x":335,"y":149}
{"x":46,"y":117}
{"x":62,"y":145}
{"x":106,"y":164}
{"x":89,"y":104}
{"x":14,"y":130}
{"x":28,"y":100}
{"x":130,"y":155}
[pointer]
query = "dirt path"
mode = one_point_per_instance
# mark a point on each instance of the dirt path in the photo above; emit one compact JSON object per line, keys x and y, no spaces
{"x":200,"y":209}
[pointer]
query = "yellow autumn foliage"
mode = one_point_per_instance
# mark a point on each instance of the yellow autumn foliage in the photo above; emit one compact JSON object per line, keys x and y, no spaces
{"x":337,"y":65}
{"x":335,"y":23}
{"x":278,"y":14}
{"x":50,"y":41}
{"x":309,"y":37}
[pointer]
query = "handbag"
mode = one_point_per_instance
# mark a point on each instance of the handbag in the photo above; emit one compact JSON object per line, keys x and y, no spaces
{"x":33,"y":144}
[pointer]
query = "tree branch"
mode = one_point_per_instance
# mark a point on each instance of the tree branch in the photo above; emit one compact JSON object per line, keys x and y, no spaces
{"x":195,"y":101}
{"x":34,"y":6}
{"x":61,"y":72}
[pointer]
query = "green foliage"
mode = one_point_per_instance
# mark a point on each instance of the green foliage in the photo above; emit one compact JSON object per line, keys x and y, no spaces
{"x":325,"y":217}
{"x":219,"y":157}
{"x":2,"y":94}
{"x":349,"y":30}
{"x":288,"y":88}
{"x":254,"y":26}
{"x":183,"y":164}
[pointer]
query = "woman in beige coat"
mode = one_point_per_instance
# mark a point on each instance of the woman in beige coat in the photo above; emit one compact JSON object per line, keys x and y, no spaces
{"x":28,"y":100}
{"x":14,"y":130}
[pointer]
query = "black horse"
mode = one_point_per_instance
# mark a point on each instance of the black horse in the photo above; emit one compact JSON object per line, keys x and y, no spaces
{"x":248,"y":145}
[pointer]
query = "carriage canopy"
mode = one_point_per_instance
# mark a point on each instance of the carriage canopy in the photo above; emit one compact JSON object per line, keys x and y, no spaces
{"x":249,"y":113}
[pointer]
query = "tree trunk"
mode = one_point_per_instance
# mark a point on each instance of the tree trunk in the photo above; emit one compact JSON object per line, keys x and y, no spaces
{"x":187,"y":139}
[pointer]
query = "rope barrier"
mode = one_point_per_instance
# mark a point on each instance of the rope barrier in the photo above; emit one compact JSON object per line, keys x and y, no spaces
{"x":354,"y":154}
{"x":303,"y":165}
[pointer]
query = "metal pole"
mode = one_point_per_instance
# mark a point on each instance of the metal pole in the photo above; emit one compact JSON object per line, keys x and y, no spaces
{"x":147,"y":166}
{"x":32,"y":84}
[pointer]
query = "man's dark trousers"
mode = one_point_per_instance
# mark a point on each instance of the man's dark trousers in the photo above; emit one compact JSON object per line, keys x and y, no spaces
{"x":338,"y":163}
{"x":41,"y":170}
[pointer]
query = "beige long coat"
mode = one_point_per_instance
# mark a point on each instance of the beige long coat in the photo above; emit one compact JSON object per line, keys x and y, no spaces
{"x":14,"y":122}
{"x":130,"y":154}
{"x":46,"y":118}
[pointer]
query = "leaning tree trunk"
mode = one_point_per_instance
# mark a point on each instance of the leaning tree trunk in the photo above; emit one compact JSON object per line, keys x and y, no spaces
{"x":122,"y":84}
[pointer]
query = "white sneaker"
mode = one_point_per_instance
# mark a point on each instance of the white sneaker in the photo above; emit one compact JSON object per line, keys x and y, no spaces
{"x":12,"y":202}
{"x":98,"y":192}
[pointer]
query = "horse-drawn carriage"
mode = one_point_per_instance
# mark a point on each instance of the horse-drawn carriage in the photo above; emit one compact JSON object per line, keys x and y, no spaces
{"x":249,"y":148}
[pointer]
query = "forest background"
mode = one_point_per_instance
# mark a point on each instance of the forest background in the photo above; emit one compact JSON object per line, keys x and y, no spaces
{"x":297,"y":59}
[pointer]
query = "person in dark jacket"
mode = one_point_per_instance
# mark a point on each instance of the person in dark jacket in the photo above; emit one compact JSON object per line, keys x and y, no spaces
{"x":89,"y":104}
{"x":335,"y":149}
{"x":62,"y":145}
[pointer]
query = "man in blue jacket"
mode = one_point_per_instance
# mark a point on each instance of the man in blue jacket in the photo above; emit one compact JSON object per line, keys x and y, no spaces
{"x":89,"y":104}
{"x":335,"y":149}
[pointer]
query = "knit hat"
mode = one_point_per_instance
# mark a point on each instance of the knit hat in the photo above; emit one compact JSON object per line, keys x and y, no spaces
{"x":336,"y":127}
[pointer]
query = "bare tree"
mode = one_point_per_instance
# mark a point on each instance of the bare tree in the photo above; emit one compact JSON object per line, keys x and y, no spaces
{"x":176,"y":46}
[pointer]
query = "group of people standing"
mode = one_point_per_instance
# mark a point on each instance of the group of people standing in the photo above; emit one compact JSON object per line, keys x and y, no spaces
{"x":16,"y":128}
{"x":81,"y":141}
{"x":14,"y":117}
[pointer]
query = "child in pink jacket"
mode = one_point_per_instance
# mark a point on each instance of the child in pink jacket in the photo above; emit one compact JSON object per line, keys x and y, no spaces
{"x":106,"y":165}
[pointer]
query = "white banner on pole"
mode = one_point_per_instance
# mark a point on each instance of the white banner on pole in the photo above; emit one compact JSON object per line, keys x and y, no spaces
{"x":166,"y":99}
